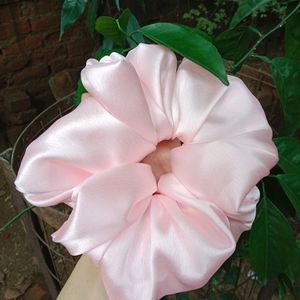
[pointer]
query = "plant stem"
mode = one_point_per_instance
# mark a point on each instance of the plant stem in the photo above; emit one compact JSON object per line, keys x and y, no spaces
{"x":246,"y":56}
{"x":125,"y":33}
{"x":127,"y":49}
{"x":15,"y":218}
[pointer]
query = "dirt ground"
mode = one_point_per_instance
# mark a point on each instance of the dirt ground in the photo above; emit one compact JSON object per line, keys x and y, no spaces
{"x":19,"y":271}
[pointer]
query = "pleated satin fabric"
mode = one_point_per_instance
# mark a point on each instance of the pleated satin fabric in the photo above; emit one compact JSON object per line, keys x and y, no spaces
{"x":152,"y":238}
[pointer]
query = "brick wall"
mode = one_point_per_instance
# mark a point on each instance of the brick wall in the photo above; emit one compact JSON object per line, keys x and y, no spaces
{"x":30,"y":54}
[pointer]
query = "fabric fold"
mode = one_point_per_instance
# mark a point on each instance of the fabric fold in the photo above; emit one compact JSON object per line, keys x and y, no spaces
{"x":196,"y":93}
{"x":84,"y":142}
{"x":156,"y":67}
{"x":157,"y":219}
{"x":190,"y":244}
{"x":104,"y":201}
{"x":224,"y":171}
{"x":115,"y":84}
{"x":239,"y":222}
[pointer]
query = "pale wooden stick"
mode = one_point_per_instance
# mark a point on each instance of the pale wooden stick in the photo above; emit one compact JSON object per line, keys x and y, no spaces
{"x":85,"y":282}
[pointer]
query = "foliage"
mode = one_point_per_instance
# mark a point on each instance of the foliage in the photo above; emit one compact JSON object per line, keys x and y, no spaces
{"x":286,"y":74}
{"x":273,"y":245}
{"x":234,"y":43}
{"x":292,"y":34}
{"x":245,"y":9}
{"x":72,"y":10}
{"x":92,"y":15}
{"x":70,"y":13}
{"x":120,"y":30}
{"x":271,"y":257}
{"x":213,"y":16}
{"x":195,"y":47}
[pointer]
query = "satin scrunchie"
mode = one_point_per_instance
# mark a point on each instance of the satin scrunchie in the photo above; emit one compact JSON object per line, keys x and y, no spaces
{"x":152,"y":234}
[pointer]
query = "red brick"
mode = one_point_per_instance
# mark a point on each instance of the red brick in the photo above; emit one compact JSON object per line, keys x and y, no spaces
{"x":57,"y":5}
{"x":80,"y":47}
{"x":43,"y":100}
{"x":1,"y":106}
{"x":75,"y":73}
{"x":20,"y":118}
{"x":23,"y":27}
{"x":30,"y":42}
{"x":19,"y":105}
{"x":3,"y":81}
{"x":62,"y":85}
{"x":58,"y":64}
{"x":10,"y":30}
{"x":75,"y":32}
{"x":44,"y":54}
{"x":37,"y":292}
{"x":15,"y":63}
{"x":23,"y":9}
{"x":44,"y":7}
{"x":31,"y":73}
{"x":14,"y":132}
{"x":15,"y":100}
{"x":34,"y":89}
{"x":7,"y":31}
{"x":6,"y":43}
{"x":52,"y":38}
{"x":78,"y":61}
{"x":44,"y":24}
{"x":70,"y":63}
{"x":4,"y":143}
{"x":6,"y":14}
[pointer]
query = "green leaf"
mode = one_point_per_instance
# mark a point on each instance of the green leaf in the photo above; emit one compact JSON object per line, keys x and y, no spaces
{"x":124,"y":19}
{"x":108,"y":27}
{"x":70,"y":13}
{"x":271,"y":241}
{"x":289,"y":154}
{"x":132,"y":27}
{"x":223,"y":296}
{"x":186,"y":42}
{"x":292,"y":34}
{"x":92,"y":15}
{"x":182,"y":296}
{"x":107,"y":44}
{"x":286,"y":281}
{"x":293,"y":269}
{"x":234,"y":43}
{"x":116,"y":29}
{"x":202,"y":34}
{"x":245,"y":9}
{"x":231,"y":275}
{"x":80,"y":90}
{"x":286,"y":74}
{"x":281,"y":289}
{"x":291,"y":186}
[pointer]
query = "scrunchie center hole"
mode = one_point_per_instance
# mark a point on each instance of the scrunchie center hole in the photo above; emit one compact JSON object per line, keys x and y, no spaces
{"x":159,"y":160}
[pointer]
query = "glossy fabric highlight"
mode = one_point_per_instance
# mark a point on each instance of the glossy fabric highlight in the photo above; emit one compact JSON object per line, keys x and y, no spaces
{"x":152,"y":237}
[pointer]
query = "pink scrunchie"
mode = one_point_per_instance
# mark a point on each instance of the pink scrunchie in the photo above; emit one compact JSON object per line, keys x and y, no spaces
{"x":152,"y":237}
